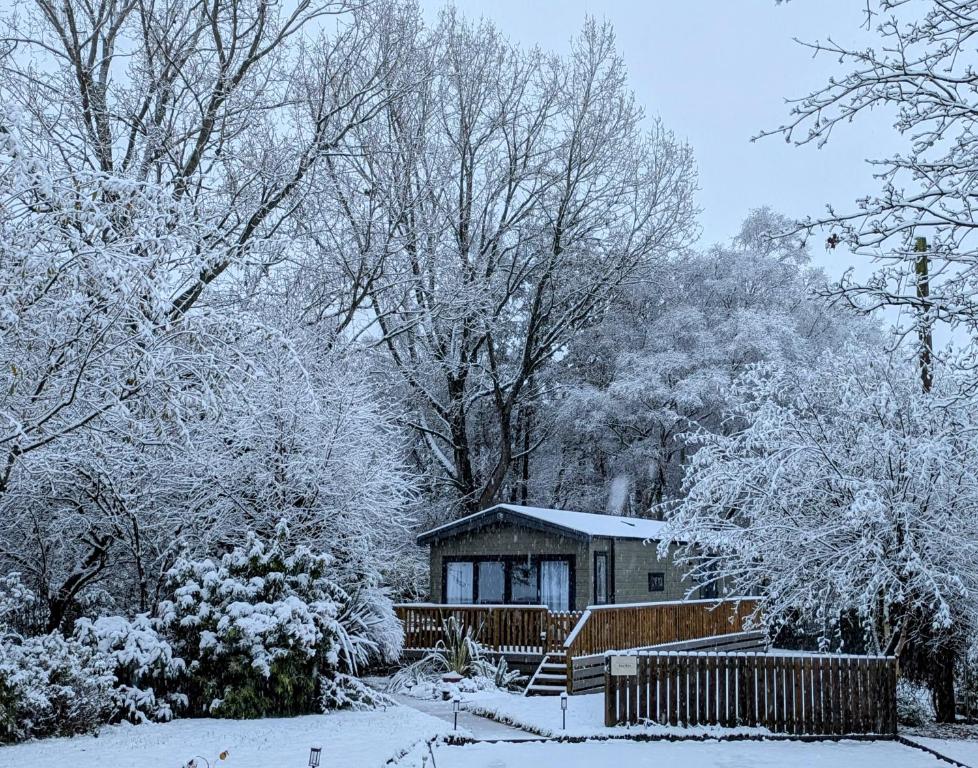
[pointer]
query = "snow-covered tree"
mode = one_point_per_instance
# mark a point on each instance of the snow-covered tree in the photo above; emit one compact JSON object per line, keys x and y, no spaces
{"x":844,"y":490}
{"x":629,"y":393}
{"x":920,"y":71}
{"x":515,"y":195}
{"x":229,"y":107}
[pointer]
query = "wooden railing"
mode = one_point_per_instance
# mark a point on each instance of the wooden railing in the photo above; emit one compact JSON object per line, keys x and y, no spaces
{"x":810,"y":694}
{"x":511,"y":628}
{"x":561,"y":624}
{"x":638,"y":625}
{"x":536,"y":629}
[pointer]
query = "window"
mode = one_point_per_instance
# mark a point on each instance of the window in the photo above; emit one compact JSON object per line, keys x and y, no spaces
{"x":600,"y":578}
{"x":509,"y":580}
{"x":492,"y":582}
{"x":709,"y":591}
{"x":523,"y":583}
{"x":555,"y":584}
{"x":657,"y":581}
{"x":459,"y":583}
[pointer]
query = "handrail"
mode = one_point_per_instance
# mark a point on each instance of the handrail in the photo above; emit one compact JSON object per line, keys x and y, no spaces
{"x":657,"y":603}
{"x":635,"y":625}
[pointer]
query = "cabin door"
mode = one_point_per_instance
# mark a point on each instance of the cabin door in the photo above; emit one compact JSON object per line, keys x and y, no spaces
{"x":555,"y":584}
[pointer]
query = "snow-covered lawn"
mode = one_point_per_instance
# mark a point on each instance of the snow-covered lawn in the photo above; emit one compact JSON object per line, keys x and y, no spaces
{"x":689,"y":754}
{"x":348,"y":740}
{"x":585,"y":716}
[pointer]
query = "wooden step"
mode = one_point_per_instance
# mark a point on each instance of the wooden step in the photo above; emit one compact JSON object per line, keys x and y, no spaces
{"x":545,"y":690}
{"x":550,"y":678}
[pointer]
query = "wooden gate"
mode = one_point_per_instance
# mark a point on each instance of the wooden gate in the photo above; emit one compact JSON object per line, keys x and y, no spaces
{"x":803,"y":694}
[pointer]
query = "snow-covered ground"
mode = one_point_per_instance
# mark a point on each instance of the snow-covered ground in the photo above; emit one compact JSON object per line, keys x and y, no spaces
{"x":585,"y":716}
{"x":689,"y":754}
{"x":399,"y":736}
{"x":348,"y":740}
{"x":963,"y":750}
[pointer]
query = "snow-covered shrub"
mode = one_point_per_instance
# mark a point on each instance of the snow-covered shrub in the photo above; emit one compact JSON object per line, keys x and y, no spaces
{"x":263,"y":630}
{"x":343,"y":691}
{"x":915,"y":704}
{"x":52,"y":686}
{"x":145,"y":668}
{"x":502,"y":677}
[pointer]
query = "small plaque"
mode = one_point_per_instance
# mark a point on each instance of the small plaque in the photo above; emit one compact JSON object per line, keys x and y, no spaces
{"x":624,"y":666}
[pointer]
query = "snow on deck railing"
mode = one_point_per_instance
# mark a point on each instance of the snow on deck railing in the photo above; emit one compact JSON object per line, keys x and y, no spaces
{"x":655,"y":603}
{"x":470,"y":606}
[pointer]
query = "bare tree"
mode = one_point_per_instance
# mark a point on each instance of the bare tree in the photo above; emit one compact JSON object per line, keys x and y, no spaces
{"x":520,"y":192}
{"x":922,"y":71}
{"x":228,"y":104}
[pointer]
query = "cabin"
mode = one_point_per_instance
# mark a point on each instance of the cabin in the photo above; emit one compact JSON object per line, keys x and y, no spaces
{"x":517,"y":555}
{"x":555,"y":591}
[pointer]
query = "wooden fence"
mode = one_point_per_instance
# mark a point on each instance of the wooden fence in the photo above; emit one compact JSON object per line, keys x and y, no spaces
{"x":588,"y":672}
{"x":531,"y":629}
{"x":822,"y":695}
{"x":619,"y":627}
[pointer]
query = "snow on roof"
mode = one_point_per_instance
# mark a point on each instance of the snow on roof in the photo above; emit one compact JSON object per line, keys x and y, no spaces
{"x":586,"y":523}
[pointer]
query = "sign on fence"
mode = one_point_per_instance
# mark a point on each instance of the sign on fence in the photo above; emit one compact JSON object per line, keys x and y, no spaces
{"x":810,"y":694}
{"x":624,"y":666}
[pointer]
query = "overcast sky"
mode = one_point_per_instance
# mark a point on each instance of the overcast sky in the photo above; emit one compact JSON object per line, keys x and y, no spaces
{"x":718,"y":72}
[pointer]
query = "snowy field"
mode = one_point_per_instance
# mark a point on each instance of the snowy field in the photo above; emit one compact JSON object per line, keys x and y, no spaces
{"x":398,"y":737}
{"x":348,"y":740}
{"x":635,"y":754}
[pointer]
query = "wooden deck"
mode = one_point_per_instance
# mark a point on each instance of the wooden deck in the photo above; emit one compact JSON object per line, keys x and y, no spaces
{"x":535,"y":634}
{"x":507,"y":629}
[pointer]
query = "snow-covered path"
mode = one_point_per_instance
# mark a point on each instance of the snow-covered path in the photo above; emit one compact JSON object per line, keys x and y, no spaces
{"x":481,"y":728}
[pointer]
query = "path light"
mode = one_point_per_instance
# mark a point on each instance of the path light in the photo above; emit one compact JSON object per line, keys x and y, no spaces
{"x":563,"y":708}
{"x":314,"y":754}
{"x":456,"y":704}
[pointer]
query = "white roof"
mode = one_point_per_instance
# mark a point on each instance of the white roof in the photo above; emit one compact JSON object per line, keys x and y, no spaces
{"x":587,"y":523}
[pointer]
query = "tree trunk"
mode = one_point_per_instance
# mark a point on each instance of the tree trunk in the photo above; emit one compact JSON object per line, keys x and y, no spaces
{"x":942,"y":686}
{"x":925,"y":321}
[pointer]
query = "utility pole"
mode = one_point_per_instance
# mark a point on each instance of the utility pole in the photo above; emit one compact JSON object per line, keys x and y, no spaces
{"x":924,"y":320}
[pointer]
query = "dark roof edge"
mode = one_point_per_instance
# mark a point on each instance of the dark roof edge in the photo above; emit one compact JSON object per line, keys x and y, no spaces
{"x":500,"y":512}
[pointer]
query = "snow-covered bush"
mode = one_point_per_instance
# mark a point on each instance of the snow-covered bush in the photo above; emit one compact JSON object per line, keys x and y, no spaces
{"x":341,"y":691}
{"x":52,"y":686}
{"x":915,"y":705}
{"x":267,"y":628}
{"x":498,"y":672}
{"x":145,"y":668}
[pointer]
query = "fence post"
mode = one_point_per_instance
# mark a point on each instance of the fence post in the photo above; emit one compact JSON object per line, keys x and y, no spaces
{"x":610,"y":696}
